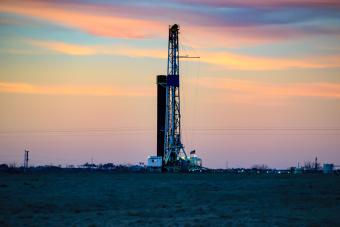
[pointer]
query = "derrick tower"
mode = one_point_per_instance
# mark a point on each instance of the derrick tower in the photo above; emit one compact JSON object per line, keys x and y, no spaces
{"x":171,"y":155}
{"x":174,"y":152}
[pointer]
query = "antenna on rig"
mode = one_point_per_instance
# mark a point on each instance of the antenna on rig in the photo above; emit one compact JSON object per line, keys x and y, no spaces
{"x":187,"y":56}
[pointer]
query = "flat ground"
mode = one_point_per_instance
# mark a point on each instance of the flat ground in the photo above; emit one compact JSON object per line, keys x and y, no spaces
{"x":111,"y":199}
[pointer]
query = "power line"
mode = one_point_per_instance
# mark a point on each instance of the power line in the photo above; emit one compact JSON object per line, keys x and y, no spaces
{"x":73,"y":131}
{"x":189,"y":129}
{"x":217,"y":131}
{"x":266,"y":129}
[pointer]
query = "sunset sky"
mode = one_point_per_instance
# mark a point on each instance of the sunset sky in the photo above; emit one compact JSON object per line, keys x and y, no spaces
{"x":77,"y":80}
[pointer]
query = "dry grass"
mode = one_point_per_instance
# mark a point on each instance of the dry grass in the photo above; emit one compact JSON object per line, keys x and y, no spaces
{"x":97,"y":199}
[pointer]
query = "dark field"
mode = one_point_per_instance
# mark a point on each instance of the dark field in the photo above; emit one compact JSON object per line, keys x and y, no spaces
{"x":111,"y":199}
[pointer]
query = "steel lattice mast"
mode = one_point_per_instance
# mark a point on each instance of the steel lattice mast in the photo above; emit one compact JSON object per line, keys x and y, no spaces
{"x":173,"y":147}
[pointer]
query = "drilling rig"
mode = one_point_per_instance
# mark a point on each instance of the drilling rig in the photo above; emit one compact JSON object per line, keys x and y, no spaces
{"x":170,"y":150}
{"x":174,"y":153}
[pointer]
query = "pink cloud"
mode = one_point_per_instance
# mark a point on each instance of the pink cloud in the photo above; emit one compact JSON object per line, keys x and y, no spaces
{"x":265,"y":3}
{"x":253,"y":90}
{"x":25,"y":88}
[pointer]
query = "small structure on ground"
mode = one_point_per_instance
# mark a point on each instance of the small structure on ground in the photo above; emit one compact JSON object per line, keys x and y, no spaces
{"x":328,"y":168}
{"x":154,"y":163}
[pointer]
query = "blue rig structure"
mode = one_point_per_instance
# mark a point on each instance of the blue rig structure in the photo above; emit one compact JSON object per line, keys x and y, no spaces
{"x":169,"y":142}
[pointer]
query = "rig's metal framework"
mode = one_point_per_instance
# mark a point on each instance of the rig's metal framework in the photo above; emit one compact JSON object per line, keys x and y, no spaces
{"x":174,"y":153}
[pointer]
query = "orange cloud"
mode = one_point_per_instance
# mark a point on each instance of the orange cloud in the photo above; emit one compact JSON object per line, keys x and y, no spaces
{"x":224,"y":59}
{"x":65,"y":48}
{"x":84,"y":50}
{"x":91,"y":22}
{"x":246,"y":88}
{"x":244,"y":62}
{"x":24,"y":88}
{"x":100,"y":20}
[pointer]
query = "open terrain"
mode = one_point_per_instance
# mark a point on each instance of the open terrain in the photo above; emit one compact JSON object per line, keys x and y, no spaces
{"x":109,"y":199}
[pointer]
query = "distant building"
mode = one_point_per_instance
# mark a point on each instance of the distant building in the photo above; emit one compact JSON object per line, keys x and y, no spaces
{"x":195,"y":160}
{"x":154,"y":163}
{"x":298,"y":170}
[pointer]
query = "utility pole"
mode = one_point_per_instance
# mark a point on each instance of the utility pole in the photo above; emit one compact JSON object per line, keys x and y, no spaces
{"x":316,"y":164}
{"x":26,"y":159}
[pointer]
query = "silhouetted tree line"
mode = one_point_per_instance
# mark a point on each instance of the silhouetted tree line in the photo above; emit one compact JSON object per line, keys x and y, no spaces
{"x":71,"y":168}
